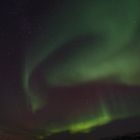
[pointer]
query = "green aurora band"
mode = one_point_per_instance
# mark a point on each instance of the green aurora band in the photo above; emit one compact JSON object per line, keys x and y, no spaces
{"x":84,"y":41}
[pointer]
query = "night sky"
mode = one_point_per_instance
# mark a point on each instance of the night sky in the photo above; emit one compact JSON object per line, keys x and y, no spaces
{"x":69,"y":69}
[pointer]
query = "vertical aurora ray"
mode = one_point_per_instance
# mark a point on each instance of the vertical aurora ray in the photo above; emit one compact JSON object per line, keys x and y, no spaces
{"x":90,"y":41}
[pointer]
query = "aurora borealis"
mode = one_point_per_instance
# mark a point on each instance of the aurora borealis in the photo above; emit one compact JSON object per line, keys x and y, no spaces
{"x":69,"y":68}
{"x":84,"y":69}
